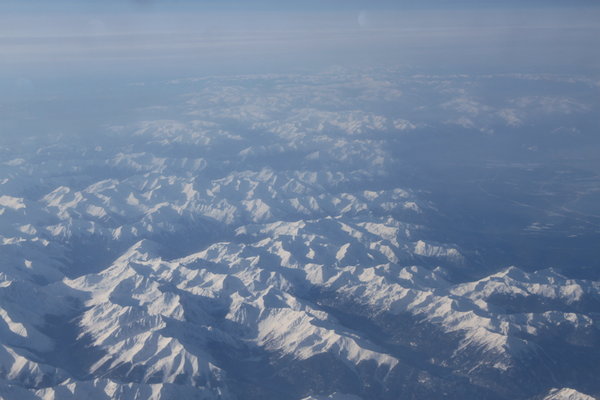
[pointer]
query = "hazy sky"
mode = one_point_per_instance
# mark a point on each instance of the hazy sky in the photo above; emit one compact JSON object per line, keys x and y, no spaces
{"x":179,"y":37}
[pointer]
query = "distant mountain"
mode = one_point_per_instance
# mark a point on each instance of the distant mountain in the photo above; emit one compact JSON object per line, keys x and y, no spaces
{"x":264,"y":242}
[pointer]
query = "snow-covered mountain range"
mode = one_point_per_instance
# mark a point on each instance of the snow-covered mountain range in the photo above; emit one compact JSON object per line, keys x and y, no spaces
{"x":258,"y":244}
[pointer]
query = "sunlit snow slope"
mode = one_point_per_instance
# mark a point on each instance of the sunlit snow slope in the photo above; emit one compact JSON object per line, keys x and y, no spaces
{"x":258,"y":240}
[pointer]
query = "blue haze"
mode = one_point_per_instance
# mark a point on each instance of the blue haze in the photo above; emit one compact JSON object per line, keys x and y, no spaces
{"x":486,"y":112}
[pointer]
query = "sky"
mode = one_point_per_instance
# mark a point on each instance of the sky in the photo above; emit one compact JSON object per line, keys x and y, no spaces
{"x":75,"y":61}
{"x":63,"y":38}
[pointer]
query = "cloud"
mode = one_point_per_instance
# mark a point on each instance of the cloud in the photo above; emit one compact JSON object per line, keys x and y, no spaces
{"x":461,"y":39}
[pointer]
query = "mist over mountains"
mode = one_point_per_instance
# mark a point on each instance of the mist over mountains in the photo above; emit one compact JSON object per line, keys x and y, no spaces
{"x":343,"y":234}
{"x":261,"y":200}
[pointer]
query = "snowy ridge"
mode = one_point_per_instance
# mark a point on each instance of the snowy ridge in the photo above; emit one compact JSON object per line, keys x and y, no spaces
{"x":260,"y":244}
{"x":567,"y":394}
